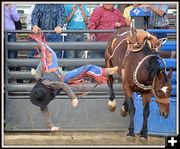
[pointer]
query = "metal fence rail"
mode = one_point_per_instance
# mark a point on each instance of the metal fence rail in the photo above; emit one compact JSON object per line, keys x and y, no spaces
{"x":168,"y":46}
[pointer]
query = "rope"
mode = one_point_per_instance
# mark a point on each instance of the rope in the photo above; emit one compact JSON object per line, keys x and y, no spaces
{"x":142,"y":86}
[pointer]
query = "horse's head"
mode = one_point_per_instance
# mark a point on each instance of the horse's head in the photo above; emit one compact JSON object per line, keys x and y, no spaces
{"x":162,"y":91}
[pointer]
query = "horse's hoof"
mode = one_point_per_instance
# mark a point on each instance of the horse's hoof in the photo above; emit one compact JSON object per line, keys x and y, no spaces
{"x":143,"y":140}
{"x":123,"y":112}
{"x":130,"y":138}
{"x":112,"y":106}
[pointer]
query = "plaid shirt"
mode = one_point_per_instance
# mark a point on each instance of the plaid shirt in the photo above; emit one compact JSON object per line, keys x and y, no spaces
{"x":48,"y":16}
{"x":158,"y":21}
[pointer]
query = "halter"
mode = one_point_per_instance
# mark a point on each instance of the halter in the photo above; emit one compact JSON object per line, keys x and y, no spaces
{"x":159,"y":100}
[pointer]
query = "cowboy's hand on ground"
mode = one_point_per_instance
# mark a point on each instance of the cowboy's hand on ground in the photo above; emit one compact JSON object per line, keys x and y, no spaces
{"x":74,"y":102}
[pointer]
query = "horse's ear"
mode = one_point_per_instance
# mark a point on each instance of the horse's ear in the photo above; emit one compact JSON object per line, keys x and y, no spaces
{"x":160,"y":74}
{"x":170,"y":73}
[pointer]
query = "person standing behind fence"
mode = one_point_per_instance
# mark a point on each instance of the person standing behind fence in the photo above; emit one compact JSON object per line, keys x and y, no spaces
{"x":49,"y":17}
{"x":31,"y":54}
{"x":10,"y":16}
{"x":77,"y":19}
{"x":28,"y":19}
{"x":126,"y":13}
{"x":105,"y":17}
{"x":158,"y":18}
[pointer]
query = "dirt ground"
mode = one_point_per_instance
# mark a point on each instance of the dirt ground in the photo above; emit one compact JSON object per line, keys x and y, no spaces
{"x":77,"y":139}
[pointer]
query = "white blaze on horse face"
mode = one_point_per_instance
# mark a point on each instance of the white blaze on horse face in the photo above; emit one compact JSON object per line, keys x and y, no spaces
{"x":164,"y":89}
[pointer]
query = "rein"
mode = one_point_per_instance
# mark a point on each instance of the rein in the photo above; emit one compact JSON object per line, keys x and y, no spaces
{"x":86,"y":93}
{"x":134,"y":49}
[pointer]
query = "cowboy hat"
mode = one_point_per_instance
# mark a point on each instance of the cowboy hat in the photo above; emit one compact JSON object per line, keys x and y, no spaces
{"x":41,"y":95}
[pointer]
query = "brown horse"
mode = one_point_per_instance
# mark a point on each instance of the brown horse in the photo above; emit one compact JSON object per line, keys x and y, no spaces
{"x":135,"y":53}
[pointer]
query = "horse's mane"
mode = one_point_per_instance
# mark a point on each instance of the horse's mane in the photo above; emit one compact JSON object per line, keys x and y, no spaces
{"x":153,"y":66}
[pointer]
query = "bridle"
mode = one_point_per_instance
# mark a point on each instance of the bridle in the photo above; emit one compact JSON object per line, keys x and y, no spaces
{"x":159,"y":100}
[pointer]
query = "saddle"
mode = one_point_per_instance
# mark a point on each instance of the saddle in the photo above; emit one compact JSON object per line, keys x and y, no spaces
{"x":139,"y":38}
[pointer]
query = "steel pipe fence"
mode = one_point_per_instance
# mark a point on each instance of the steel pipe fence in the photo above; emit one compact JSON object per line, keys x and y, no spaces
{"x":91,"y":46}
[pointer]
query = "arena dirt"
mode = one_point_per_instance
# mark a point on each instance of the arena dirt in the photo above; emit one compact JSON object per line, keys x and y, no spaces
{"x":77,"y":139}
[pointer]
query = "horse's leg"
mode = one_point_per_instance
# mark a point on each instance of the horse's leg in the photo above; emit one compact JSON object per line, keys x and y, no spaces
{"x":124,"y":108}
{"x":112,"y":102}
{"x":131,"y":109}
{"x":146,"y":101}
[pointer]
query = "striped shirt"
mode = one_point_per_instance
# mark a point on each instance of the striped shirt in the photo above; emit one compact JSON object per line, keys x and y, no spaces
{"x":48,"y":16}
{"x":158,"y":21}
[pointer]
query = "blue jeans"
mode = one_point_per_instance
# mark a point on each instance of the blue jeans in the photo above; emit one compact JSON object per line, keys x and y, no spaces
{"x":78,"y":73}
{"x":12,"y":53}
{"x":81,"y":71}
{"x":49,"y":38}
{"x":74,"y":53}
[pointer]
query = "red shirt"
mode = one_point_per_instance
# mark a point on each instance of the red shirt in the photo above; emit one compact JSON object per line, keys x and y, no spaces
{"x":103,"y":19}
